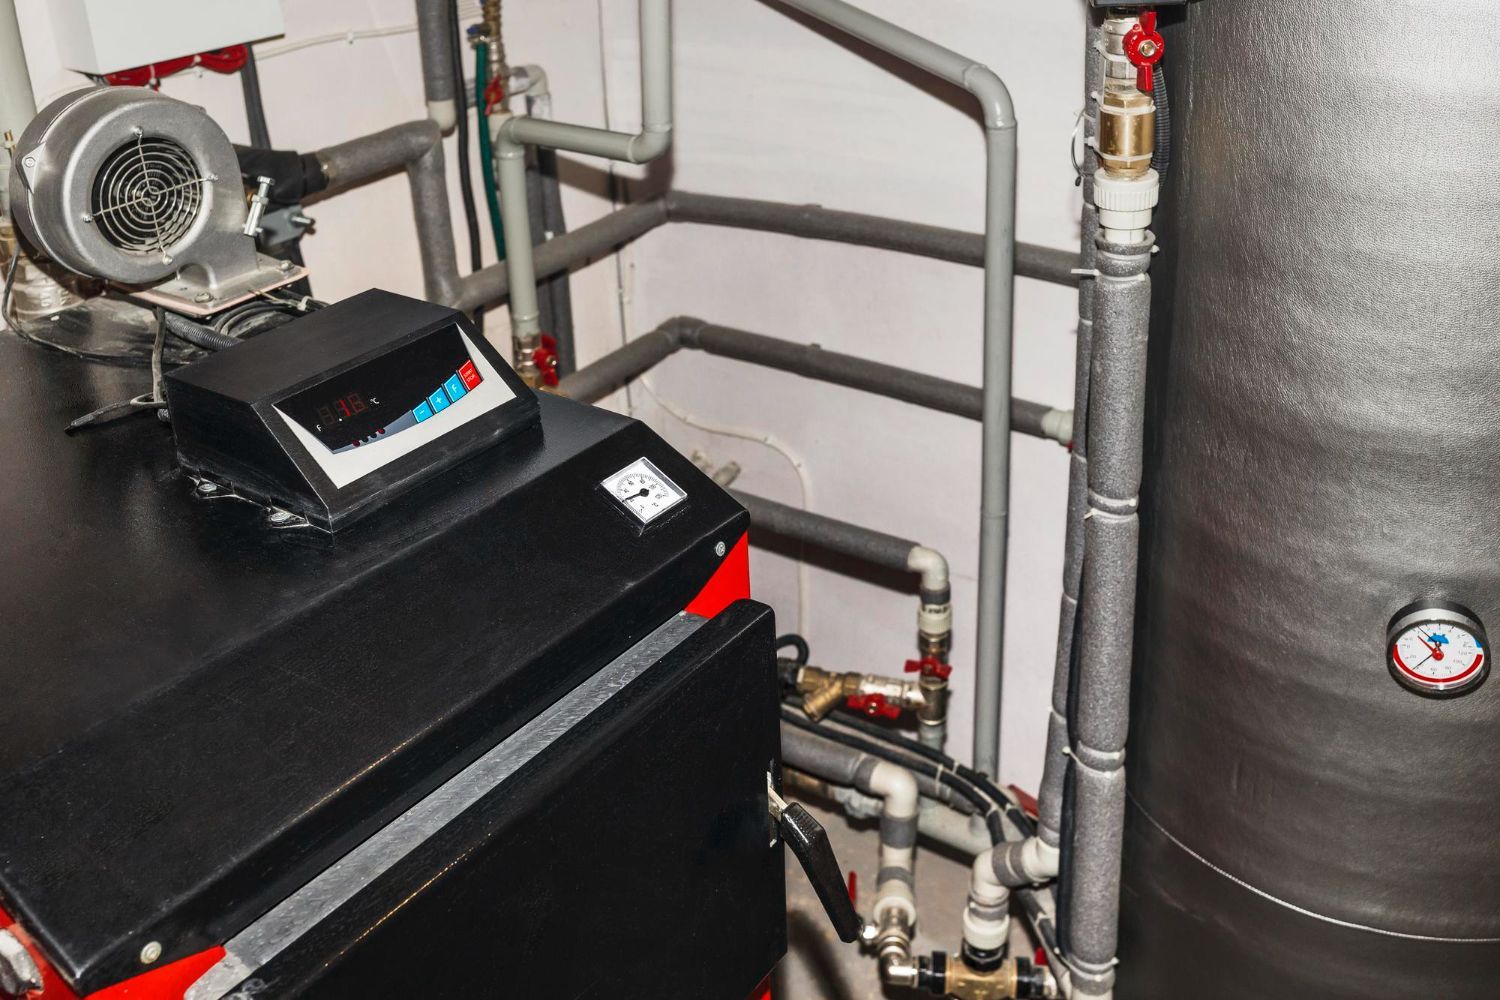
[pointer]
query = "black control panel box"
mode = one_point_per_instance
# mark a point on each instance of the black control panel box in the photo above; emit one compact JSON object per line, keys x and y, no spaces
{"x":334,"y":413}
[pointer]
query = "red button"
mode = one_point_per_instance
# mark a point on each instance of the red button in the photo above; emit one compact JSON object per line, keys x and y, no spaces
{"x":470,"y":375}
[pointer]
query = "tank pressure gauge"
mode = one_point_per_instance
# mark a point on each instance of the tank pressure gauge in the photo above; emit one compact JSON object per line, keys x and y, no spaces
{"x":1438,"y":648}
{"x":644,"y":490}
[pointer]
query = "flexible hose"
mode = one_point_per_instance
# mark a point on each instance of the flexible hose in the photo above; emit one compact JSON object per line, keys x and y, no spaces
{"x":486,"y":151}
{"x":197,"y":334}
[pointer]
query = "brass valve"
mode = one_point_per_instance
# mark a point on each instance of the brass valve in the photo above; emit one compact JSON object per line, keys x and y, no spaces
{"x":1012,"y":979}
{"x":1127,"y":130}
{"x":822,"y":691}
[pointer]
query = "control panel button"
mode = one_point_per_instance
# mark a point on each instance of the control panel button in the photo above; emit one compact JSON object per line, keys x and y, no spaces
{"x":422,"y":412}
{"x":454,"y":388}
{"x":439,"y":401}
{"x":470,"y":375}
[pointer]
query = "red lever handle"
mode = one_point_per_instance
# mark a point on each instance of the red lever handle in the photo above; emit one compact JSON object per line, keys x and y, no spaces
{"x":874,"y":705}
{"x":1144,"y":47}
{"x":930,"y":666}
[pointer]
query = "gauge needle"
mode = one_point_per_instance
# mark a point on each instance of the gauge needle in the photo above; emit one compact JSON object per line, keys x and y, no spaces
{"x":1435,"y":651}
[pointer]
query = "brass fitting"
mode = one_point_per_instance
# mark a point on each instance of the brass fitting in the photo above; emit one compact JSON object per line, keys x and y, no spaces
{"x":822,"y":691}
{"x":1016,"y":978}
{"x":1127,"y":130}
{"x":934,"y":710}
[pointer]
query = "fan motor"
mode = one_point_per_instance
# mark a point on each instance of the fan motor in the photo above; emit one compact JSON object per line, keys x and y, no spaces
{"x":128,"y":185}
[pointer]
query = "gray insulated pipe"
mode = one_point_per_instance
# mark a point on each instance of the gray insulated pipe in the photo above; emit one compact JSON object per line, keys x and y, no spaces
{"x":1322,"y":450}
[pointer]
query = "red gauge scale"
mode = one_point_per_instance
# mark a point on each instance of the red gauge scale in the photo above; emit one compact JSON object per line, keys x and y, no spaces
{"x":1437,"y":648}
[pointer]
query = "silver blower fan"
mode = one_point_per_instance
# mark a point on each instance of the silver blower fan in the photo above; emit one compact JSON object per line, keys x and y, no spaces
{"x":128,"y":185}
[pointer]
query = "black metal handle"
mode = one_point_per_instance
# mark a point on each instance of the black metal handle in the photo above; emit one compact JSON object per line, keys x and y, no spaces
{"x":809,"y":841}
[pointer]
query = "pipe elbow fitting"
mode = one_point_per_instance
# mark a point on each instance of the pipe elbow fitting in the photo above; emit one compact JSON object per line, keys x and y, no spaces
{"x":933,"y":567}
{"x":536,"y":80}
{"x":897,"y":786}
{"x":1028,"y":862}
{"x":993,"y":96}
{"x":649,"y":145}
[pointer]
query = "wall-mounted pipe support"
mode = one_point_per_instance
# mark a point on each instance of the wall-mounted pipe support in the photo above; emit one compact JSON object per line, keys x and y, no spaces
{"x":999,"y":265}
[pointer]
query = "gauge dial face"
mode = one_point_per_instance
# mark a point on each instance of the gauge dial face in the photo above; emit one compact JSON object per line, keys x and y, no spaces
{"x":644,"y":490}
{"x":1438,"y":649}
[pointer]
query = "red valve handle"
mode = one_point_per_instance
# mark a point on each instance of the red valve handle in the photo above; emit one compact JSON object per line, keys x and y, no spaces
{"x":930,"y":666}
{"x":545,"y":359}
{"x":874,"y":705}
{"x":1144,"y":47}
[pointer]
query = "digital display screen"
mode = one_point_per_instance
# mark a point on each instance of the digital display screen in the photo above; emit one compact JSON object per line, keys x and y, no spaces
{"x":388,"y":394}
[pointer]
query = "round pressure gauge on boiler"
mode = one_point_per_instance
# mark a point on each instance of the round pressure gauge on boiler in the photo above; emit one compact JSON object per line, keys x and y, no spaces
{"x":1437,"y":648}
{"x":644,"y":490}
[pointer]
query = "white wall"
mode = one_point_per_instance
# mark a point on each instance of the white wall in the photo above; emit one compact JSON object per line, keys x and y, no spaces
{"x":769,"y":106}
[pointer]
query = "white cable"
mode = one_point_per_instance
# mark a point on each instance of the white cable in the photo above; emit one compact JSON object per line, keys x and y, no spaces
{"x":466,"y":12}
{"x":263,"y":52}
{"x":671,"y":409}
{"x":768,"y":440}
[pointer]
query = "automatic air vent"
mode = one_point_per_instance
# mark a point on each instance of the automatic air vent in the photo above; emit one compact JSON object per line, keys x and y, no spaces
{"x":146,"y":196}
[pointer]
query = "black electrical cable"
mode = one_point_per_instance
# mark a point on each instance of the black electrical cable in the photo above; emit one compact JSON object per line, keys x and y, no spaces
{"x":465,"y":175}
{"x":983,"y":804}
{"x":796,"y":641}
{"x":987,"y":800}
{"x":858,"y":722}
{"x":1161,"y":154}
{"x":255,"y":108}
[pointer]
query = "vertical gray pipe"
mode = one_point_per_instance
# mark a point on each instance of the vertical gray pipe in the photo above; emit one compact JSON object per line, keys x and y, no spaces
{"x":1122,"y":314}
{"x":510,"y":153}
{"x":429,"y":195}
{"x":434,"y":27}
{"x":1054,"y":771}
{"x":17,"y":102}
{"x":999,"y":266}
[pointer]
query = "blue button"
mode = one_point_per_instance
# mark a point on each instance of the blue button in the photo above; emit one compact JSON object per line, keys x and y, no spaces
{"x":454,"y":387}
{"x":422,"y":412}
{"x":439,"y":401}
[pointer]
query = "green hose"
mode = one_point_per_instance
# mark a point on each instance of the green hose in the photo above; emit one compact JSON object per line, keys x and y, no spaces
{"x":486,"y":153}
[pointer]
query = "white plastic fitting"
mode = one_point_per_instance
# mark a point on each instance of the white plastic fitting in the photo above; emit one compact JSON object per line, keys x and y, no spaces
{"x":931,"y":564}
{"x":898,"y":788}
{"x":444,"y":113}
{"x":986,"y":921}
{"x":1126,"y":203}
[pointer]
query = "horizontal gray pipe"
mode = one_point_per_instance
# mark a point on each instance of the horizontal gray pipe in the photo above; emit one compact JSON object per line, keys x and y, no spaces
{"x":865,"y":544}
{"x":642,"y":354}
{"x":371,"y":156}
{"x":377,"y":154}
{"x":818,"y":223}
{"x":840,"y":765}
{"x":563,"y":253}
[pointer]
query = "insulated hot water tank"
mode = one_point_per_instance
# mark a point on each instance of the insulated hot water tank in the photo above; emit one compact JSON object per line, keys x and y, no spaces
{"x":1307,"y":820}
